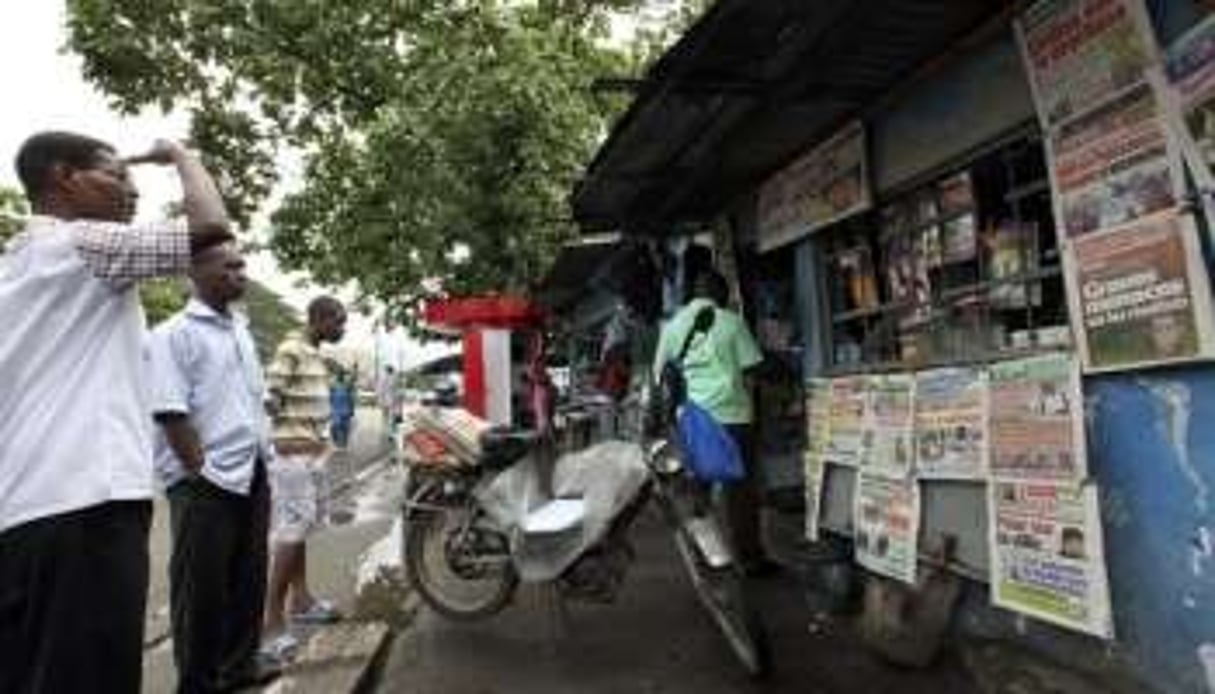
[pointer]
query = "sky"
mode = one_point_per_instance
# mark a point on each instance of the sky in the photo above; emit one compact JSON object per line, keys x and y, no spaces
{"x":44,"y":90}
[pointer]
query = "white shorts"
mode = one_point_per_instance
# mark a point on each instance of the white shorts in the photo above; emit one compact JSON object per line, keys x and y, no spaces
{"x":299,"y":492}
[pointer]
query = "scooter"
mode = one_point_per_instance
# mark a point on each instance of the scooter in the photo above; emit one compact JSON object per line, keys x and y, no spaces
{"x":461,"y":557}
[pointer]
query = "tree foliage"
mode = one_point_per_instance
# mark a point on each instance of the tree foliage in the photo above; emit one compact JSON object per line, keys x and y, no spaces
{"x":13,"y":210}
{"x":442,"y":137}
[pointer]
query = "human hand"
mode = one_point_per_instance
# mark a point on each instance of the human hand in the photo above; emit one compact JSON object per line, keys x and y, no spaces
{"x":163,"y":153}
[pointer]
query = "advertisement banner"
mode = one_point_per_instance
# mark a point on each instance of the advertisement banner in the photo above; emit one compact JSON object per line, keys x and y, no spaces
{"x":1047,"y":554}
{"x":1081,"y":52}
{"x":951,"y":423}
{"x":1190,"y":66}
{"x":827,"y":184}
{"x":891,"y":418}
{"x":1036,"y":419}
{"x":849,"y":405}
{"x":887,"y":525}
{"x":818,"y":439}
{"x":1140,"y":295}
{"x":1114,"y":164}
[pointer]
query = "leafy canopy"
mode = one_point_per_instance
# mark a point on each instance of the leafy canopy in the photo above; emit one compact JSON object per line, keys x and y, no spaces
{"x":441,"y":137}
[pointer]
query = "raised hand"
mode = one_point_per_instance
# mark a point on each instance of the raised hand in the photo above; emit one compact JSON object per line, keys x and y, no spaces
{"x":163,"y":153}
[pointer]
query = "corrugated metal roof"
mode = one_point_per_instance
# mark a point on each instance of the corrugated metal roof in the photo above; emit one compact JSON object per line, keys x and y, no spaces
{"x":752,"y":84}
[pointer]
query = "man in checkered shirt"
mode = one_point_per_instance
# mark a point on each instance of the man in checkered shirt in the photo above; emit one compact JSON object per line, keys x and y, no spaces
{"x":75,"y":431}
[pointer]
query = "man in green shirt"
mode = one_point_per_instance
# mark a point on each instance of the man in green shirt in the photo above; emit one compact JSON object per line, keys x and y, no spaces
{"x":717,"y":370}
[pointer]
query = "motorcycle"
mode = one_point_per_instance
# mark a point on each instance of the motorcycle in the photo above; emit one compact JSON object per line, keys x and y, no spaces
{"x":463,"y":557}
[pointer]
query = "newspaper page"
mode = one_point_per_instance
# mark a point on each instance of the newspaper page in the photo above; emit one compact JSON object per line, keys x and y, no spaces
{"x":951,"y":423}
{"x":828,"y":183}
{"x":849,"y":404}
{"x":887,"y":525}
{"x":891,"y":418}
{"x":818,"y":438}
{"x":1036,"y":419}
{"x":1140,"y":295}
{"x":1047,"y":552}
{"x":1081,"y":52}
{"x":1115,"y":163}
{"x":1190,"y":66}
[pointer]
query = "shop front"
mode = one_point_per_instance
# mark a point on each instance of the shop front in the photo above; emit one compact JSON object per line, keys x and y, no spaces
{"x":969,"y":240}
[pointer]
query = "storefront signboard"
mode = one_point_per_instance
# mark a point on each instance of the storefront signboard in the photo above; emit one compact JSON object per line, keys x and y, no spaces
{"x":951,"y":423}
{"x":887,"y":525}
{"x":1036,"y":419}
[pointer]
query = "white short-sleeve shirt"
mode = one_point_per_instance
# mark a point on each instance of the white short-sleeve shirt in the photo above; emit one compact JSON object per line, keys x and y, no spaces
{"x":74,"y":424}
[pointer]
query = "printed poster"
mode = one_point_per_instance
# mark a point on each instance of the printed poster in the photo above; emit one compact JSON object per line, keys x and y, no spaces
{"x":1114,"y":163}
{"x":1190,"y":65}
{"x":1036,"y":419}
{"x":887,"y":525}
{"x":827,"y":184}
{"x":1047,"y":554}
{"x":849,"y":404}
{"x":1140,"y":295}
{"x":818,"y":439}
{"x":892,"y":423}
{"x":951,"y":423}
{"x":1081,"y":52}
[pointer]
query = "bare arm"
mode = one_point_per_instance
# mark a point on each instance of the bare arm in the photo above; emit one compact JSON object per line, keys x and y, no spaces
{"x":183,"y":439}
{"x":204,"y":206}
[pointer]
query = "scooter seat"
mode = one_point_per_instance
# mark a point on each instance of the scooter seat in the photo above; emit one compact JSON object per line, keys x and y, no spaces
{"x":501,"y":448}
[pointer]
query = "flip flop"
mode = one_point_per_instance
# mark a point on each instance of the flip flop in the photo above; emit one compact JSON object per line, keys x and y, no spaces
{"x":320,"y":612}
{"x":281,"y":649}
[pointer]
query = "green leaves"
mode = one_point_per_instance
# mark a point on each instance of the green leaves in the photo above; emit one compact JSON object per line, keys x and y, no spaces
{"x":13,"y":210}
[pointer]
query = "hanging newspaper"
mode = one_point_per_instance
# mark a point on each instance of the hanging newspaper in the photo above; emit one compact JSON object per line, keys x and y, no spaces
{"x":1140,"y":295}
{"x":891,"y":418}
{"x":1190,"y":64}
{"x":951,"y":424}
{"x":887,"y":525}
{"x":849,"y":404}
{"x":1047,"y":554}
{"x":818,"y":438}
{"x":1081,"y":52}
{"x":1036,"y":419}
{"x":1115,"y":163}
{"x":828,"y":183}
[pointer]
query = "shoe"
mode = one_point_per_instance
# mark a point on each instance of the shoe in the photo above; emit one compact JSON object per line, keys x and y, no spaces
{"x":320,"y":612}
{"x":262,"y":671}
{"x":281,"y":649}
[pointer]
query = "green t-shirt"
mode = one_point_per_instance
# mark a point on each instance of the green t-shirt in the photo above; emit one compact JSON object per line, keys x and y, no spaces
{"x":715,"y":362}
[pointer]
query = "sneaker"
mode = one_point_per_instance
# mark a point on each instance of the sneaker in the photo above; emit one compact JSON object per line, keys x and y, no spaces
{"x":320,"y":612}
{"x":281,"y":649}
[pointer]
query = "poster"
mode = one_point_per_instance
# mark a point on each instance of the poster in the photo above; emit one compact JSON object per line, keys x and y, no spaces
{"x":818,"y":438}
{"x":1047,"y":554}
{"x":828,"y":183}
{"x":1190,"y":65}
{"x":1140,"y":294}
{"x":1035,"y":422}
{"x":1114,"y":163}
{"x":891,"y":419}
{"x":950,"y":423}
{"x":1011,"y":252}
{"x":1081,"y":52}
{"x":887,"y":526}
{"x":849,"y":404}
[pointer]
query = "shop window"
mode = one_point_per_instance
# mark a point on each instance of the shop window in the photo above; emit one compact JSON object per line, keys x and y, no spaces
{"x":963,"y":268}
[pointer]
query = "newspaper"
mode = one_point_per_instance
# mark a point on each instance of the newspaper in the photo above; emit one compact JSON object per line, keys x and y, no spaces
{"x":1140,"y":295}
{"x":951,"y":423}
{"x":828,"y":183}
{"x":818,"y":439}
{"x":891,"y":419}
{"x":887,"y":525}
{"x":1035,"y":420}
{"x":1081,"y":52}
{"x":1190,"y":65}
{"x":1047,"y":553}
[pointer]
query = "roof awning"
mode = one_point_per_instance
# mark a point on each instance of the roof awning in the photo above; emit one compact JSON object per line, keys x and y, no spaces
{"x":747,"y":88}
{"x":576,"y":270}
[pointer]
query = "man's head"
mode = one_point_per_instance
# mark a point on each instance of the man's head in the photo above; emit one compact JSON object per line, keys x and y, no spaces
{"x":326,"y":319}
{"x":75,"y":177}
{"x":218,"y":274}
{"x":711,"y":285}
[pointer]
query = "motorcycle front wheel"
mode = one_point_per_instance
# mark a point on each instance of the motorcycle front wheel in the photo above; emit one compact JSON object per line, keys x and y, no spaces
{"x":720,"y":590}
{"x":460,"y":567}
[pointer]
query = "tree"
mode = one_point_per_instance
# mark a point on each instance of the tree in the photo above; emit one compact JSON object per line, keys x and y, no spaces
{"x":13,"y":210}
{"x":442,"y":137}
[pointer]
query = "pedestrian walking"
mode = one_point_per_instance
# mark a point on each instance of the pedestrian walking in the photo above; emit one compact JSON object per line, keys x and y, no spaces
{"x":341,"y":402}
{"x":209,"y":399}
{"x":717,"y":369}
{"x":299,"y":388}
{"x":75,"y":436}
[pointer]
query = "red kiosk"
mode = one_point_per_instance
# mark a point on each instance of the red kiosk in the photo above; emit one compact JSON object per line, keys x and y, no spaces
{"x":486,"y":324}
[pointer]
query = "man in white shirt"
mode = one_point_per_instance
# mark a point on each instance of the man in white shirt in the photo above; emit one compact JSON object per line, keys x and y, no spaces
{"x":75,"y":436}
{"x":209,"y":399}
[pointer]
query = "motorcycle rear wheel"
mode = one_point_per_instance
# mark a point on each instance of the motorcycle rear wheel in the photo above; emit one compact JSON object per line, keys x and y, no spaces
{"x":461,"y":570}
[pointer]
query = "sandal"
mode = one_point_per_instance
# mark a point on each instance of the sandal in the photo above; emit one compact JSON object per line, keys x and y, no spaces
{"x":320,"y":612}
{"x":281,"y":649}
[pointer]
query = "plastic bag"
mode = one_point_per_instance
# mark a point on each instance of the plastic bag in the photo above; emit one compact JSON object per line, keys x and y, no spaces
{"x":709,"y":450}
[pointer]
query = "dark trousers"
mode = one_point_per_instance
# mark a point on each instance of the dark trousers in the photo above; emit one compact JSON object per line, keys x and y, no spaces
{"x":743,"y":499}
{"x":73,"y":591}
{"x":217,"y":581}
